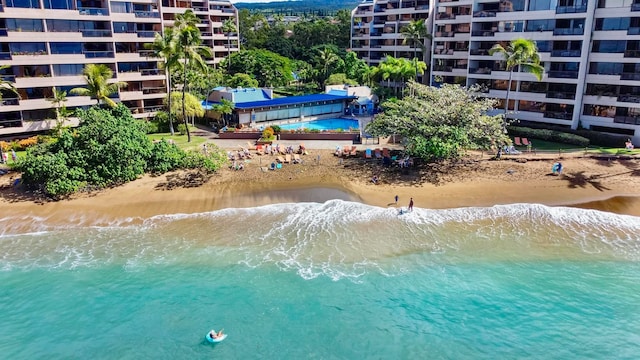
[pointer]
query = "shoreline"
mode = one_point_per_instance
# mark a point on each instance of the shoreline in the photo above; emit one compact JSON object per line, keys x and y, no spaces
{"x":586,"y":183}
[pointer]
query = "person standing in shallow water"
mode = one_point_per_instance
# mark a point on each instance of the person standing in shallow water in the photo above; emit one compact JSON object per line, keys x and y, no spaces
{"x":410,"y":204}
{"x":396,"y":199}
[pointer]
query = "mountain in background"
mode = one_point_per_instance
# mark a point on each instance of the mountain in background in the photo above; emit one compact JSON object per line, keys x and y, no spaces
{"x":300,"y":7}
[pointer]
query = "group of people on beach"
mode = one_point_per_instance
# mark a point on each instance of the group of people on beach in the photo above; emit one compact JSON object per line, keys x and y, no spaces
{"x":5,"y":156}
{"x":628,"y":145}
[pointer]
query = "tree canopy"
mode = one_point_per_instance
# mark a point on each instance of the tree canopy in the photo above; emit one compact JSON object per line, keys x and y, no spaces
{"x":109,"y":147}
{"x":269,"y":68}
{"x":440,"y":123}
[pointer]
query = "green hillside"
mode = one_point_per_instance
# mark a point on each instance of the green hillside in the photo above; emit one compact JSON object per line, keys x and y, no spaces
{"x":302,"y":7}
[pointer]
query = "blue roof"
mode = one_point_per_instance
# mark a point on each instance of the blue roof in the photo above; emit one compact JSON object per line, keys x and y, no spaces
{"x":289,"y":100}
{"x":249,"y":95}
{"x":338,"y":92}
{"x":292,"y":100}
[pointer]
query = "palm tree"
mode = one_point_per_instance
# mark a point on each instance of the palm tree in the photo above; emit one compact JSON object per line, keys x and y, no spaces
{"x":229,"y":27}
{"x":191,"y":50}
{"x":7,"y":84}
{"x":325,"y":59}
{"x":521,"y":54}
{"x":164,"y":47}
{"x":97,"y":77}
{"x":415,"y":33}
{"x":225,"y":108}
{"x":58,"y":99}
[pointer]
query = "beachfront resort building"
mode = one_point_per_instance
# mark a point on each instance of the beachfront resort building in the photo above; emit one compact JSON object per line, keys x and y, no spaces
{"x":590,"y":51}
{"x":376,"y":29}
{"x":47,"y":43}
{"x":256,"y":106}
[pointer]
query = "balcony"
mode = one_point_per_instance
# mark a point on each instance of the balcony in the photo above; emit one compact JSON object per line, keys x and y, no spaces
{"x":443,"y":68}
{"x":96,"y":33}
{"x":480,"y":71}
{"x":630,"y":76}
{"x":563,"y":74}
{"x":147,"y":14}
{"x":154,"y":90}
{"x":635,"y":7}
{"x":93,"y":11}
{"x":445,"y":16}
{"x":484,"y":14}
{"x":445,"y":34}
{"x":151,"y":72}
{"x":561,"y":95}
{"x":632,"y":53}
{"x":3,"y":32}
{"x":562,"y":115}
{"x":571,"y":9}
{"x":9,"y":101}
{"x":568,"y":31}
{"x":5,"y":55}
{"x":632,"y":120}
{"x":146,"y":53}
{"x":566,"y":53}
{"x":146,"y":34}
{"x":480,"y":52}
{"x":98,"y":54}
{"x":629,"y":98}
{"x":483,"y":33}
{"x":633,"y":31}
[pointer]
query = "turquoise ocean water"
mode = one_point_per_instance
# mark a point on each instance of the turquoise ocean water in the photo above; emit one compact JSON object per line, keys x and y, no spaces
{"x":332,"y":280}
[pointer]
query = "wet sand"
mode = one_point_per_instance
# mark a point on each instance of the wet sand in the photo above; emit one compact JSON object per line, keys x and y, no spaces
{"x":474,"y":181}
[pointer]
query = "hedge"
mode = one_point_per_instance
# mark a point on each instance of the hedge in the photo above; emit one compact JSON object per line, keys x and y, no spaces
{"x":596,"y":138}
{"x":549,"y":135}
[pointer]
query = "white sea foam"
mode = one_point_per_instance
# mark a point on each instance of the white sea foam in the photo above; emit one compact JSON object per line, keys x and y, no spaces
{"x":337,"y":239}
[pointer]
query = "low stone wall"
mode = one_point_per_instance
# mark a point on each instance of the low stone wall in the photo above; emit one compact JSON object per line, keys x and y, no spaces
{"x":240,"y":135}
{"x":319,"y":136}
{"x":292,"y":136}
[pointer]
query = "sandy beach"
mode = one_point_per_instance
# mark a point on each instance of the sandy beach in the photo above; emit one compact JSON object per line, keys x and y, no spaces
{"x":476,"y":180}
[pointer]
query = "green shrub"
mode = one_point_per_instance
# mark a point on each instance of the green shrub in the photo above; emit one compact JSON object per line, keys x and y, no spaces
{"x":276,"y":129}
{"x":165,"y":157}
{"x":314,"y":131}
{"x":153,"y":127}
{"x":267,"y":134}
{"x":109,"y":147}
{"x":549,"y":135}
{"x":182,"y":129}
{"x":596,"y":138}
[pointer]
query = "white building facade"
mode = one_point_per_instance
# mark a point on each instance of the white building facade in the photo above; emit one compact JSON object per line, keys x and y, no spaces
{"x":590,"y":51}
{"x":47,"y":43}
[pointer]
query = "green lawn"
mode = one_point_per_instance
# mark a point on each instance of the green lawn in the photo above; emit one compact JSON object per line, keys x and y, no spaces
{"x":180,"y":140}
{"x":542,"y":145}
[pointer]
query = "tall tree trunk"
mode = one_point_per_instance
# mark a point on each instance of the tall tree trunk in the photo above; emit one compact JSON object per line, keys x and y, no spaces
{"x":506,"y":101}
{"x":168,"y":72}
{"x":228,"y":51}
{"x":184,"y":109}
{"x":415,"y":58}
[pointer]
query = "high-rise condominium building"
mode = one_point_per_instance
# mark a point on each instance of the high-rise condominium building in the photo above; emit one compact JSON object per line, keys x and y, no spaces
{"x":47,"y":43}
{"x":590,"y":51}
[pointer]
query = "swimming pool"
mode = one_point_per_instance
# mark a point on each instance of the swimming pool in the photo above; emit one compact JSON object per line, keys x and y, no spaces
{"x":324,"y":124}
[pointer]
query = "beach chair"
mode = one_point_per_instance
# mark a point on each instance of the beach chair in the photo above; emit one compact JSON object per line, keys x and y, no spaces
{"x":250,"y":146}
{"x":354,"y":151}
{"x":516,"y":140}
{"x":280,"y":159}
{"x":385,"y":152}
{"x":367,"y":154}
{"x":259,"y":150}
{"x":296,"y":159}
{"x":378,"y":154}
{"x":525,"y":142}
{"x":287,"y":158}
